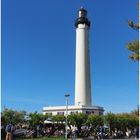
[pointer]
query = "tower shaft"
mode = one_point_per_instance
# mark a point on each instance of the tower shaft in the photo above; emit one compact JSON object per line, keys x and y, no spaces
{"x":82,"y":74}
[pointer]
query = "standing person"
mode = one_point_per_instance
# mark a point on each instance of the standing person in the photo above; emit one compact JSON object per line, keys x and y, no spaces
{"x":38,"y":130}
{"x":3,"y":134}
{"x":8,"y":129}
{"x":74,"y":130}
{"x":136,"y":132}
{"x":102,"y":132}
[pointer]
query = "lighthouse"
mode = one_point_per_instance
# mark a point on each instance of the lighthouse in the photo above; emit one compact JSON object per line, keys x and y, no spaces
{"x":82,"y":72}
{"x":83,"y":98}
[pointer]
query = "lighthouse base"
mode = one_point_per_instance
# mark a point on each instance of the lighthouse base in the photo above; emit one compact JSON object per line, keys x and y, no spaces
{"x":57,"y":110}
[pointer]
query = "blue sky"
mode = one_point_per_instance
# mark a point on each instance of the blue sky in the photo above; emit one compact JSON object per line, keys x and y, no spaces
{"x":38,"y":53}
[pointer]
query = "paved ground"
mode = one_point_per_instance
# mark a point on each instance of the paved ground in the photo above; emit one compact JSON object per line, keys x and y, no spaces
{"x":91,"y":138}
{"x":102,"y":139}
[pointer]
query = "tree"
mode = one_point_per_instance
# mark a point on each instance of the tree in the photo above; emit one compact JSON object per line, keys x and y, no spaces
{"x":58,"y":118}
{"x":133,"y":25}
{"x":13,"y":116}
{"x":126,"y":121}
{"x":78,"y":120}
{"x":134,"y":45}
{"x":134,"y":48}
{"x":95,"y":121}
{"x":36,"y":118}
{"x":58,"y":122}
{"x":110,"y":121}
{"x":135,"y":112}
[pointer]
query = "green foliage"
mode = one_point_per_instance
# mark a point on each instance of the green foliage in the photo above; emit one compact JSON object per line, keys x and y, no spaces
{"x":58,"y":121}
{"x":126,"y":121}
{"x":95,"y":121}
{"x":134,"y":48}
{"x":133,"y":25}
{"x":135,"y":112}
{"x":36,"y":118}
{"x":120,"y":121}
{"x":58,"y":118}
{"x":13,"y":116}
{"x":110,"y":120}
{"x":78,"y":120}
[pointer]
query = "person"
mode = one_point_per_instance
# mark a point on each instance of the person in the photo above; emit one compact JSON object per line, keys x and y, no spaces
{"x":74,"y":130}
{"x":38,"y":130}
{"x":3,"y":133}
{"x":101,"y":132}
{"x":136,"y":132}
{"x":9,"y":131}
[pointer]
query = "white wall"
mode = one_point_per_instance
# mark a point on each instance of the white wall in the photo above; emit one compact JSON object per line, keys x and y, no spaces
{"x":82,"y":72}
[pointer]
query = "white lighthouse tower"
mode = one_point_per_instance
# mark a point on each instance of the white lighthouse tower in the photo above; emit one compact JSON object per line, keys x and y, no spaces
{"x":83,"y":102}
{"x":82,"y":74}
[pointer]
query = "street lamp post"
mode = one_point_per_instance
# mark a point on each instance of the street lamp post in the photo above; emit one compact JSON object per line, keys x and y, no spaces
{"x":66,"y":95}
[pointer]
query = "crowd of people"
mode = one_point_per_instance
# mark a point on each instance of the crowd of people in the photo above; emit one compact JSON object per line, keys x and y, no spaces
{"x":11,"y":132}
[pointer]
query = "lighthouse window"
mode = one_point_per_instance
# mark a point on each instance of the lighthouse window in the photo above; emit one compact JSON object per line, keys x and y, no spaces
{"x":72,"y":113}
{"x":60,"y":113}
{"x":88,"y":112}
{"x":92,"y":112}
{"x":100,"y":113}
